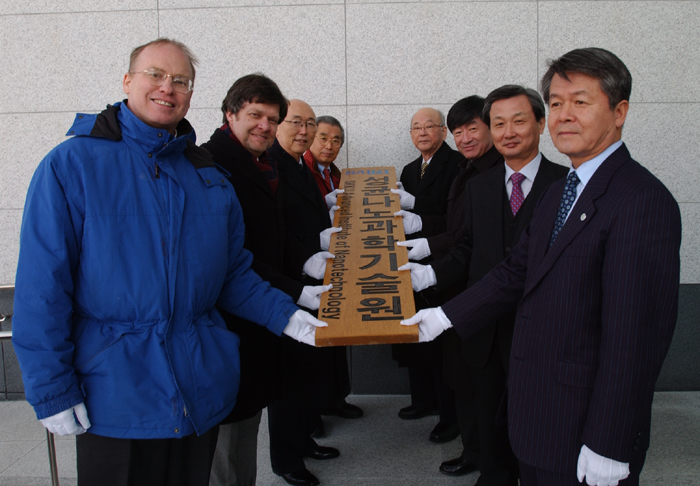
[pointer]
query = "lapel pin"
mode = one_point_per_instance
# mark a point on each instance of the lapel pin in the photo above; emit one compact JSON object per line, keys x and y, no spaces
{"x":583,"y":216}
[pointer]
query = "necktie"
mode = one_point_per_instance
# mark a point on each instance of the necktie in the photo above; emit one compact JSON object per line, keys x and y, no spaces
{"x":422,"y":168}
{"x":516,"y":196}
{"x":327,"y":178}
{"x":567,"y":201}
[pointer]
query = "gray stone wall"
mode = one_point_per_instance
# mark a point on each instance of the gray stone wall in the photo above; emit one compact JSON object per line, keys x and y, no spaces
{"x":371,"y":64}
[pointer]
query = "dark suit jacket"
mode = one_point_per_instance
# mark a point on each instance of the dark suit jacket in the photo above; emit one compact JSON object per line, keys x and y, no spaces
{"x":445,"y":232}
{"x":271,"y":245}
{"x":595,"y":316}
{"x":489,"y":237}
{"x":317,"y":376}
{"x":431,"y":190}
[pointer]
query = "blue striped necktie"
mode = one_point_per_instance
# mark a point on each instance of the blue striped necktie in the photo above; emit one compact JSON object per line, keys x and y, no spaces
{"x":567,"y":201}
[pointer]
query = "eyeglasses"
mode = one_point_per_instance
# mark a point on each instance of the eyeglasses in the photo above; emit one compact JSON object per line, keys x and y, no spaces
{"x":181,"y":84}
{"x":335,"y":142}
{"x":298,"y":124}
{"x":427,"y":128}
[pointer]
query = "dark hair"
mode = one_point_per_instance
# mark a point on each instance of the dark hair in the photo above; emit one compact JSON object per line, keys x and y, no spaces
{"x":164,"y":40}
{"x":465,"y":111}
{"x":511,"y":91}
{"x":614,"y":77}
{"x":254,"y":88}
{"x":329,"y":120}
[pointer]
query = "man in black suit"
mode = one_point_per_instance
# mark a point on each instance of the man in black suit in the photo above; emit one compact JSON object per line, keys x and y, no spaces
{"x":594,"y":281}
{"x":499,"y":205}
{"x":252,"y":110}
{"x":423,"y":188}
{"x":314,"y":378}
{"x":440,"y":234}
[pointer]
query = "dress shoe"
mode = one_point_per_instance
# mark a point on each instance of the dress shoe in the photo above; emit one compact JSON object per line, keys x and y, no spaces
{"x":458,"y":467}
{"x":302,"y":477}
{"x":444,"y":432}
{"x":415,"y":412}
{"x":321,"y":453}
{"x":344,"y":410}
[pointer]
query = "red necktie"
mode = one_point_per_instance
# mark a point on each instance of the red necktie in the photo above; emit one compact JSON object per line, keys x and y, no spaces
{"x":516,"y":196}
{"x":327,"y":178}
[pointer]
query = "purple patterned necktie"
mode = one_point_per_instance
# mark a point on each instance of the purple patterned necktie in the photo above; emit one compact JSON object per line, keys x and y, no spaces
{"x":516,"y":196}
{"x":567,"y":201}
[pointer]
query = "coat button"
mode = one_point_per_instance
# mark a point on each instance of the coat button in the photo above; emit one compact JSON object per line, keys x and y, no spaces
{"x":160,"y":134}
{"x":150,"y":155}
{"x":583,"y":216}
{"x":208,"y":181}
{"x":80,"y":117}
{"x":507,"y":249}
{"x":177,"y":431}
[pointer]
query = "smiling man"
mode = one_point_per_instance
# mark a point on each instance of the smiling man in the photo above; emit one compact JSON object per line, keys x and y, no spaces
{"x":594,"y":286}
{"x":130,"y":239}
{"x":498,"y":206}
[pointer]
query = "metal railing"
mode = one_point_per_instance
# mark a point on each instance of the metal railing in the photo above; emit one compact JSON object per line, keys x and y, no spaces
{"x":53,"y":465}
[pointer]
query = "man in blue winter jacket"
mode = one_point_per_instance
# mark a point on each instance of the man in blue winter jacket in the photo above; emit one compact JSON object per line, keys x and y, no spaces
{"x":130,"y":238}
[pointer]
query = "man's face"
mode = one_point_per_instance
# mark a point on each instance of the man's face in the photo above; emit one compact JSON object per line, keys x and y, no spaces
{"x":515,"y":132}
{"x":158,"y":106}
{"x":581,"y":123}
{"x":426,"y":133}
{"x":473,"y":139}
{"x":255,"y":126}
{"x":326,"y":145}
{"x":298,"y":130}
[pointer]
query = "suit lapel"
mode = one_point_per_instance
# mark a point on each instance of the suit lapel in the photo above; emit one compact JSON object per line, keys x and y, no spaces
{"x":434,"y":169}
{"x":491,"y":201}
{"x":582,"y":214}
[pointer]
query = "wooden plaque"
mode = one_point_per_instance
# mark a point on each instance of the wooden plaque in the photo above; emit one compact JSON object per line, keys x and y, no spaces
{"x":369,"y":296}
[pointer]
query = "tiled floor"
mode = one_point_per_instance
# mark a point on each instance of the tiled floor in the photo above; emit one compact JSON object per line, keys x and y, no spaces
{"x":378,"y":449}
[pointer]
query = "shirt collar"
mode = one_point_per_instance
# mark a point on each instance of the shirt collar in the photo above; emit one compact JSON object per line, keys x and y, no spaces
{"x":530,"y":169}
{"x":586,"y":170}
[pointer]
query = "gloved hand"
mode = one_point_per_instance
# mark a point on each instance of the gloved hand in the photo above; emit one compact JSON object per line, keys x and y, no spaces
{"x":311,"y":296}
{"x":419,"y":248}
{"x":302,"y":327}
{"x":331,"y":213}
{"x":599,"y":470}
{"x":431,"y":323}
{"x":411,"y":222}
{"x":332,"y":197}
{"x":66,"y":423}
{"x":407,"y":200}
{"x":326,"y":236}
{"x":315,"y":266}
{"x":422,"y":276}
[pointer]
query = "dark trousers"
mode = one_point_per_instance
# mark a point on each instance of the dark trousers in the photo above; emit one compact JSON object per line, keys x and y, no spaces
{"x":466,"y":422}
{"x":533,"y":476}
{"x":291,"y":424}
{"x":497,"y":463}
{"x":105,"y":461}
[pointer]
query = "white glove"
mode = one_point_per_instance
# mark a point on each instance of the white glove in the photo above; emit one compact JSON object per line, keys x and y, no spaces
{"x":66,"y":423}
{"x":407,"y":200}
{"x":419,"y":248}
{"x":332,"y":197}
{"x":411,"y":222}
{"x":302,"y":327}
{"x":431,"y":323}
{"x":599,"y":470}
{"x":422,"y":276}
{"x":315,"y":266}
{"x":331,"y":213}
{"x":311,"y":296}
{"x":326,"y":236}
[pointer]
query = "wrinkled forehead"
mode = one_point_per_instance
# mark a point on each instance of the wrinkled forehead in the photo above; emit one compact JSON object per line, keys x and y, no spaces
{"x":164,"y":56}
{"x":425,"y":116}
{"x":299,"y":110}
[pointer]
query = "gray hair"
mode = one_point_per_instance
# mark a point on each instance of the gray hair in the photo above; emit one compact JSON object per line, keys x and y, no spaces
{"x":329,"y":120}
